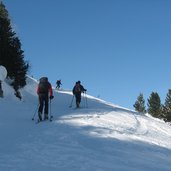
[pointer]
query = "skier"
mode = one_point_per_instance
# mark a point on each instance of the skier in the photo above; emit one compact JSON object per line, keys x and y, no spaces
{"x":18,"y":94}
{"x":3,"y":74}
{"x":1,"y":91}
{"x":58,"y":84}
{"x":77,"y":90}
{"x":44,"y":91}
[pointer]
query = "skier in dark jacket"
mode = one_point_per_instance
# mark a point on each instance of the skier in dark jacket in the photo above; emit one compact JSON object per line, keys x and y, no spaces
{"x":44,"y":91}
{"x":77,"y":90}
{"x":58,"y":84}
{"x":1,"y":91}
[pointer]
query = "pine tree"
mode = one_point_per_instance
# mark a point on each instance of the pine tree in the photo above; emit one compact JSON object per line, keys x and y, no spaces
{"x":154,"y":105}
{"x":167,"y":107}
{"x":11,"y":55}
{"x":140,"y":104}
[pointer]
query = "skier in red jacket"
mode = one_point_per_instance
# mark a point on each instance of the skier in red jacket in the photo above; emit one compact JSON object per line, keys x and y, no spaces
{"x":44,"y":91}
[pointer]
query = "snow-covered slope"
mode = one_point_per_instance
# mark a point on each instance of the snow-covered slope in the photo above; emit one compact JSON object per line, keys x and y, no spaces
{"x":102,"y":137}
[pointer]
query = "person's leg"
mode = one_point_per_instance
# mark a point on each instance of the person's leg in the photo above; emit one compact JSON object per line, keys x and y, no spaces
{"x":40,"y":107}
{"x":78,"y":100}
{"x":46,"y":108}
{"x":1,"y":93}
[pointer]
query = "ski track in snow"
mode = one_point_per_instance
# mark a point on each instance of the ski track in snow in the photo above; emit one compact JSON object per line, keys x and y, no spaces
{"x":102,"y":137}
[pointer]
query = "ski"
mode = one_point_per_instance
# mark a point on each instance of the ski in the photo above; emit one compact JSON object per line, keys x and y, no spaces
{"x":50,"y":119}
{"x":38,"y":121}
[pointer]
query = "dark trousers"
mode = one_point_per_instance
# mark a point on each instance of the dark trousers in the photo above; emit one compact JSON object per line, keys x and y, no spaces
{"x":78,"y":99}
{"x":1,"y":93}
{"x":43,"y":103}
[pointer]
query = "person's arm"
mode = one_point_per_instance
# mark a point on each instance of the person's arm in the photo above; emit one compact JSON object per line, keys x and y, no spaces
{"x":73,"y":90}
{"x":37,"y":90}
{"x":50,"y":91}
{"x":83,"y":89}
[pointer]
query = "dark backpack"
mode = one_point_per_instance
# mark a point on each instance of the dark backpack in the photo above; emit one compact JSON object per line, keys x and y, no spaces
{"x":43,"y":85}
{"x":77,"y":89}
{"x":58,"y":82}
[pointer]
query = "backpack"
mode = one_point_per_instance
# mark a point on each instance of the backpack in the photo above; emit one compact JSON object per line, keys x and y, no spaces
{"x":58,"y":82}
{"x":43,"y":85}
{"x":77,"y":89}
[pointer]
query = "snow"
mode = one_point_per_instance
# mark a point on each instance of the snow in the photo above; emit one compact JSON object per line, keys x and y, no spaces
{"x":100,"y":137}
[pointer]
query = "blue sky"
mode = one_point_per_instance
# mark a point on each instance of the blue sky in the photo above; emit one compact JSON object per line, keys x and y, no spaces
{"x":117,"y":48}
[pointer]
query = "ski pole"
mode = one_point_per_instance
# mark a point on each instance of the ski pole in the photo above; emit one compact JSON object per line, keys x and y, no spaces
{"x":86,"y":100}
{"x":35,"y":112}
{"x":71,"y":101}
{"x":50,"y":114}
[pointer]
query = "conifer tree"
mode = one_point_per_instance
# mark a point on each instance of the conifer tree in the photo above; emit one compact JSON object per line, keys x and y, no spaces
{"x":154,"y":105}
{"x":167,"y":107}
{"x":11,"y":55}
{"x":140,"y":104}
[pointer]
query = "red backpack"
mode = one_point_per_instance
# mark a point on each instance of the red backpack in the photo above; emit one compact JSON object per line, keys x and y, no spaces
{"x":44,"y":85}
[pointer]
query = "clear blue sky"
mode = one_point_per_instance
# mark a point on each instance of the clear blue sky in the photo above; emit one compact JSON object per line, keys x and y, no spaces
{"x":117,"y":48}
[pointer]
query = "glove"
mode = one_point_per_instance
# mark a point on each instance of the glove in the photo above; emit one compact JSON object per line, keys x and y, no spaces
{"x":51,"y":97}
{"x":84,"y":91}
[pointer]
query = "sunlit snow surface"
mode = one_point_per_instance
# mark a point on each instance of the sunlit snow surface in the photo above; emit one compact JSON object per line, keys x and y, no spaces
{"x":97,"y":137}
